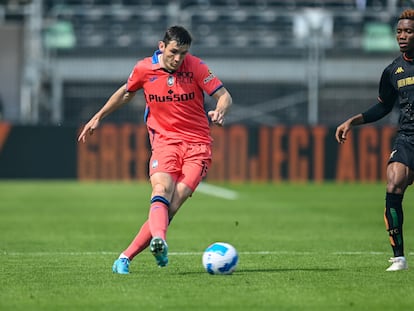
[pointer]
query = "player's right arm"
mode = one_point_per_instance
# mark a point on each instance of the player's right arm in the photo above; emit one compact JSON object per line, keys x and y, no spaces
{"x":373,"y":114}
{"x":386,"y":99}
{"x":343,"y":129}
{"x":118,"y":99}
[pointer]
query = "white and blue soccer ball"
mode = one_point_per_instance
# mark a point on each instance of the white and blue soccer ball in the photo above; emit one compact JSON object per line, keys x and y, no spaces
{"x":220,"y":258}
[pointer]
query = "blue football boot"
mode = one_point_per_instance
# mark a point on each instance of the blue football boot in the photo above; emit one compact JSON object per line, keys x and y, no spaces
{"x":159,"y":249}
{"x":121,"y":266}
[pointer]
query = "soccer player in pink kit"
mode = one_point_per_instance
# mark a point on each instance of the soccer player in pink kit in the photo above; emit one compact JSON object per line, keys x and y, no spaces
{"x":174,"y":82}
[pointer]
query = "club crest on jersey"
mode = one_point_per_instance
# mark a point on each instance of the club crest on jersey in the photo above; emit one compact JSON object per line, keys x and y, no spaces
{"x":170,"y":81}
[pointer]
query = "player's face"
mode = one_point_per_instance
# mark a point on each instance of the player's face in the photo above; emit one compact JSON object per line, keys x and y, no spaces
{"x":405,"y":36}
{"x":173,"y":54}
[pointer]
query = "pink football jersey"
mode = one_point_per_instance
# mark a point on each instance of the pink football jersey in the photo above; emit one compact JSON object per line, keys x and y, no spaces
{"x":175,"y":101}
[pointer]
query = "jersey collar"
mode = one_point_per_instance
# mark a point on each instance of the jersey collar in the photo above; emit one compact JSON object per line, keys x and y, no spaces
{"x":155,"y":57}
{"x":155,"y":60}
{"x":406,"y":58}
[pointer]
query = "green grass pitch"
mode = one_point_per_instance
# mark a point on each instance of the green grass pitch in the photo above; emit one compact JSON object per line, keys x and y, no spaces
{"x":301,"y":247}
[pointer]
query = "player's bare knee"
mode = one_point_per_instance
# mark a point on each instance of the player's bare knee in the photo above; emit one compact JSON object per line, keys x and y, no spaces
{"x":161,"y":190}
{"x":395,"y":188}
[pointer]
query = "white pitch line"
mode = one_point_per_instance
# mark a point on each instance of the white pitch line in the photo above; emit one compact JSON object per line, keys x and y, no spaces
{"x":5,"y":253}
{"x":216,"y":191}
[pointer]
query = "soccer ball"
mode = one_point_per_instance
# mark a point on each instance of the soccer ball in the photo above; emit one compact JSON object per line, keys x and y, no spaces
{"x":220,"y":258}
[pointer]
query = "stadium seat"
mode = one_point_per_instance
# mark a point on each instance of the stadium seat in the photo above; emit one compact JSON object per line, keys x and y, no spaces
{"x":378,"y":37}
{"x":60,"y":35}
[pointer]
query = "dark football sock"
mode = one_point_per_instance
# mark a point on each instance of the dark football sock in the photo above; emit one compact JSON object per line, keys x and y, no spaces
{"x":394,"y":218}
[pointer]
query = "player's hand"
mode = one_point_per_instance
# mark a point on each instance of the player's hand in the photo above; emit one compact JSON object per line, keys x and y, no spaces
{"x":89,"y":128}
{"x":341,"y":132}
{"x":217,"y":117}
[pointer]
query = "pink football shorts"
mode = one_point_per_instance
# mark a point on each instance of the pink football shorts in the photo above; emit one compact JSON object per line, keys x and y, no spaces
{"x":185,"y":162}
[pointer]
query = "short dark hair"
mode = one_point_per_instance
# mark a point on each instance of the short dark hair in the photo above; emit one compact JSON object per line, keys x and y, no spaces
{"x":178,"y":34}
{"x":407,"y":14}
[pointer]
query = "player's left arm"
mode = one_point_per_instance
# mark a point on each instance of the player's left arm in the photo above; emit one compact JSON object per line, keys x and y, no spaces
{"x":224,"y":101}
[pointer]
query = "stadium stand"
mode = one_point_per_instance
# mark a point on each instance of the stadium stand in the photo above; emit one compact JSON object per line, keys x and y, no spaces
{"x":272,"y":31}
{"x":255,"y":25}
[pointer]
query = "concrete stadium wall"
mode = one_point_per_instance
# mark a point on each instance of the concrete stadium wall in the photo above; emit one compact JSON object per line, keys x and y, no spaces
{"x":10,"y":70}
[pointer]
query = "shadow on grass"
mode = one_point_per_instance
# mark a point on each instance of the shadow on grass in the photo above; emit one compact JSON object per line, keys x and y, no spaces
{"x":274,"y":270}
{"x":288,"y":270}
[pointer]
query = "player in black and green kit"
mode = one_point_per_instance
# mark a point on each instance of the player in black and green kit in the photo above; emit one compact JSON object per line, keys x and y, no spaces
{"x":396,"y":87}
